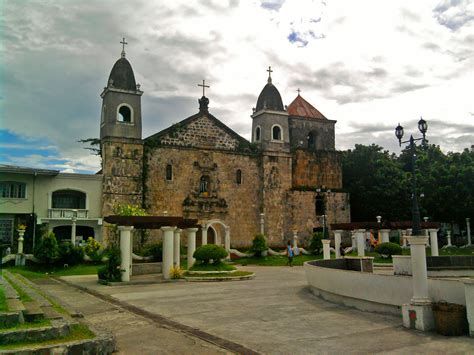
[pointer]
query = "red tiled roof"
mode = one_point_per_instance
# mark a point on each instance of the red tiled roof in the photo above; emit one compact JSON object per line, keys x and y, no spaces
{"x":302,"y":108}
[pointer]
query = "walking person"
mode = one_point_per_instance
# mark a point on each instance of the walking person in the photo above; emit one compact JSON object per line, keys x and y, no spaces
{"x":289,"y":252}
{"x":341,"y":250}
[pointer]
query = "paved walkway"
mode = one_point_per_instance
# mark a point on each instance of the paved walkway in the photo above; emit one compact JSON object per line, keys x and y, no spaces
{"x":274,"y":313}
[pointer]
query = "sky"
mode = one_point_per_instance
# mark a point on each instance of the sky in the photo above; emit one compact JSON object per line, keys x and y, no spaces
{"x":368,"y":64}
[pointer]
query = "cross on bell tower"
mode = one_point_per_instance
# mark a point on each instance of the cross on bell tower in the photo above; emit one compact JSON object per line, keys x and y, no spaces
{"x":270,"y":71}
{"x":203,"y":101}
{"x":123,"y":46}
{"x":204,"y":86}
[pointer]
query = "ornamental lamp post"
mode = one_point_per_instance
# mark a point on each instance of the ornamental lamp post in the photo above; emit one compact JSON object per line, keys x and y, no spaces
{"x":423,"y":128}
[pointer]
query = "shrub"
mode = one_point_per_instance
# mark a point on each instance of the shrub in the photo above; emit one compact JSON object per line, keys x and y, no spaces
{"x":259,"y":245}
{"x":208,"y":252}
{"x":388,"y":249}
{"x":93,"y":250}
{"x":69,"y":254}
{"x":111,"y":270}
{"x":47,"y":250}
{"x":129,"y":210}
{"x":155,"y":250}
{"x":316,"y":244}
{"x":176,"y":272}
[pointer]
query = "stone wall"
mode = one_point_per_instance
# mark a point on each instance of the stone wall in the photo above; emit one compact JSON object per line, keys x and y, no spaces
{"x":236,"y":205}
{"x":319,"y":168}
{"x":303,"y":218}
{"x":323,"y":131}
{"x":122,"y":172}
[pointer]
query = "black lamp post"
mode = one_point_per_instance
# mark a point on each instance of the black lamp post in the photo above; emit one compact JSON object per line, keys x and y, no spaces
{"x":423,"y":127}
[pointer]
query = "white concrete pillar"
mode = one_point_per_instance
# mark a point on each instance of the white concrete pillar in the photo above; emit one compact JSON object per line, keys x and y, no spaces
{"x":468,"y":229}
{"x":227,"y":240}
{"x":385,"y":235}
{"x":354,"y":240}
{"x":469,"y":295}
{"x":448,"y":236}
{"x":168,"y":241}
{"x":367,"y":240}
{"x":404,"y":239}
{"x":125,"y":265}
{"x":295,"y":239}
{"x":434,"y":242}
{"x":21,"y":233}
{"x":262,"y":223}
{"x":337,"y":242}
{"x":177,"y":247}
{"x":131,"y":253}
{"x":204,"y":234}
{"x":73,"y":230}
{"x":360,"y":236}
{"x":419,"y":271}
{"x":326,"y":249}
{"x":191,"y":232}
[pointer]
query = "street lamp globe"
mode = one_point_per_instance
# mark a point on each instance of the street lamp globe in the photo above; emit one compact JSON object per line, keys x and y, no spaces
{"x":399,"y":133}
{"x":422,"y":126}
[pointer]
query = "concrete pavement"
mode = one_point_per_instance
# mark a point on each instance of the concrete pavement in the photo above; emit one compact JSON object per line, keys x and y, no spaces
{"x":276,"y":314}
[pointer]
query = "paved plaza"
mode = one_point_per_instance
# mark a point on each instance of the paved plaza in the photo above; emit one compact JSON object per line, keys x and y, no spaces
{"x":274,"y":313}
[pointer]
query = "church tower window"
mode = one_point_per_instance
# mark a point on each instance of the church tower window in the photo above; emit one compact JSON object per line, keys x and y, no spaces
{"x":169,"y":172}
{"x":238,"y":177}
{"x":257,"y":134}
{"x":320,"y":206}
{"x":204,"y":184}
{"x":124,"y":114}
{"x":311,"y":141}
{"x":276,"y":133}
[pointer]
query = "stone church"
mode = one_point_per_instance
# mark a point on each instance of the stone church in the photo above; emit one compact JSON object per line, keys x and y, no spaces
{"x":288,"y":178}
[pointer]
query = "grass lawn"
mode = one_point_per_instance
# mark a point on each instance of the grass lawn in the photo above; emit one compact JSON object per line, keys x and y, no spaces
{"x":28,"y":325}
{"x":78,"y":332}
{"x":234,"y":274}
{"x":213,"y":267}
{"x":3,"y":301}
{"x":34,"y":272}
{"x":277,"y":260}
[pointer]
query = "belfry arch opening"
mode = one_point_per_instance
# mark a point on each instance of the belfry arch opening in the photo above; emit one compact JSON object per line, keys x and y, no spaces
{"x":124,"y":114}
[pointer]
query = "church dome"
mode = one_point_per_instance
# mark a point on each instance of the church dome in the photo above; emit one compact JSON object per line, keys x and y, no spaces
{"x":122,"y":75}
{"x":269,"y":99}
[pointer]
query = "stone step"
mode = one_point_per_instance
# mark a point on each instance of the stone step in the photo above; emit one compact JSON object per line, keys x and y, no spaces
{"x":15,"y":305}
{"x":50,"y":312}
{"x":8,"y":289}
{"x":58,"y":328}
{"x":33,"y":312}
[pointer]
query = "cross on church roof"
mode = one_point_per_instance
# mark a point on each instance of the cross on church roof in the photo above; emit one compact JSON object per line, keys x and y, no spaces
{"x":123,"y":46}
{"x":270,"y":71}
{"x":298,"y":91}
{"x":204,"y":86}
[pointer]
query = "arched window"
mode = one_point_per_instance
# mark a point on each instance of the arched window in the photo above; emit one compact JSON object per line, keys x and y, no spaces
{"x":204,"y":184}
{"x":69,"y":199}
{"x":311,"y":141}
{"x":276,"y":133}
{"x":319,"y":206}
{"x":238,"y":176}
{"x":124,"y":114}
{"x":169,"y":172}
{"x":257,"y":134}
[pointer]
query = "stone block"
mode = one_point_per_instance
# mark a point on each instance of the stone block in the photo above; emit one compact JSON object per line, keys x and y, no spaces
{"x":418,"y":317}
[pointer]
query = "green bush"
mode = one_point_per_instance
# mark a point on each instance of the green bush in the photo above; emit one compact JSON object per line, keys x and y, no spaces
{"x":69,"y":254}
{"x":205,"y":253}
{"x":316,"y":243}
{"x":47,"y":250}
{"x":111,"y":270}
{"x":259,"y":245}
{"x":388,"y":249}
{"x":155,"y":250}
{"x":93,"y":250}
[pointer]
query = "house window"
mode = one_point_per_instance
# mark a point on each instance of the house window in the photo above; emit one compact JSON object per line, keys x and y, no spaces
{"x":6,"y":231}
{"x":257,"y":134}
{"x":70,"y":199}
{"x":204,"y":184}
{"x":124,"y":114}
{"x":320,"y":206}
{"x":238,"y":176}
{"x":169,"y":172}
{"x":11,"y":189}
{"x":276,"y":133}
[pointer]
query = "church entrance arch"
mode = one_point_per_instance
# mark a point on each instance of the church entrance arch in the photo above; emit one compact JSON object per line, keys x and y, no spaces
{"x":220,"y":232}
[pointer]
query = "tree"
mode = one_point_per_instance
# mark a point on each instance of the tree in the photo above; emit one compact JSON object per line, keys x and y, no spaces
{"x":94,"y":145}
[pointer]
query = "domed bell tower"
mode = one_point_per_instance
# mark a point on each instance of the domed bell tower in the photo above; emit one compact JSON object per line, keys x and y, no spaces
{"x":121,"y":138}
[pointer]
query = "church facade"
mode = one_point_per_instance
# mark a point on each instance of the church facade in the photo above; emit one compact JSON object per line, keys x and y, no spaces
{"x":287,"y":178}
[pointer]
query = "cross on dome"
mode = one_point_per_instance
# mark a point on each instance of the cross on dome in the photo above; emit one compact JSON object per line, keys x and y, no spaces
{"x":270,"y":71}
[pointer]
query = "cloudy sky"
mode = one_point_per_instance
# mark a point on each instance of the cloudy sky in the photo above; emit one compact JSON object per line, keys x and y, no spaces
{"x":367,"y":64}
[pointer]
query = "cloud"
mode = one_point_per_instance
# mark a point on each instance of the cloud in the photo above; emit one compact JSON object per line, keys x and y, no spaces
{"x":272,"y":4}
{"x":454,"y":14}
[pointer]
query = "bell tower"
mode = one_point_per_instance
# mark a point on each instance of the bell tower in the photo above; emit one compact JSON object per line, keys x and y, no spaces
{"x":121,"y":138}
